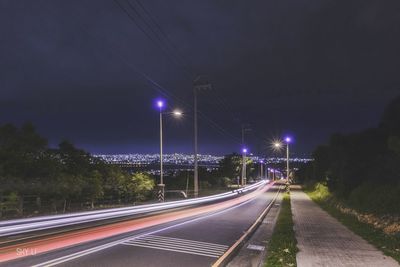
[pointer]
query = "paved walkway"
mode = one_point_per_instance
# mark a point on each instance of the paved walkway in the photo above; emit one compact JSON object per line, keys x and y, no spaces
{"x":323,"y":241}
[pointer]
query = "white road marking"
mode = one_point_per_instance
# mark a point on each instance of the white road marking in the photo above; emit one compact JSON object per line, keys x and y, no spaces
{"x":178,"y":245}
{"x":255,"y":247}
{"x":185,"y":241}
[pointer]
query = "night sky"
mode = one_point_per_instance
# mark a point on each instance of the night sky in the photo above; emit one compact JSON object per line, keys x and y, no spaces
{"x":85,"y":71}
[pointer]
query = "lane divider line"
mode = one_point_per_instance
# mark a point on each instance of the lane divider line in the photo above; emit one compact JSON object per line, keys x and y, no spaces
{"x":224,"y":259}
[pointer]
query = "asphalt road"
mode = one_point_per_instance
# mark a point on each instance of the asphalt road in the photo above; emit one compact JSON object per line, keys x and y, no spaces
{"x":198,"y":240}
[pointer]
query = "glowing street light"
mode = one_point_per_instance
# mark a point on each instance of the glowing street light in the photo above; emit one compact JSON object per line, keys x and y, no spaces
{"x":244,"y":152}
{"x":161,"y":185}
{"x":277,"y":145}
{"x":177,"y":113}
{"x":160,"y":105}
{"x":288,"y":140}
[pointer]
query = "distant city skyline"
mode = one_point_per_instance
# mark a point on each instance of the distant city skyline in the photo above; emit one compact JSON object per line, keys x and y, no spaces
{"x":182,"y":158}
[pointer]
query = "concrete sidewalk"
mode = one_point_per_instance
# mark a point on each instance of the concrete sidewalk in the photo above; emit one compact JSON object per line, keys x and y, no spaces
{"x":324,"y":241}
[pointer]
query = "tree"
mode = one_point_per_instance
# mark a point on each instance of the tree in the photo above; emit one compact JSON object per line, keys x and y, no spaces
{"x":230,"y":166}
{"x":21,"y":152}
{"x":140,"y":185}
{"x":357,"y":164}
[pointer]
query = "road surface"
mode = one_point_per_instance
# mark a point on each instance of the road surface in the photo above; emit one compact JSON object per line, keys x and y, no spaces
{"x":191,"y":237}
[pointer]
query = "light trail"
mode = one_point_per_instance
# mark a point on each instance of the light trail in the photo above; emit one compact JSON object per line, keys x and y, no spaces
{"x":100,"y":232}
{"x":22,"y":226}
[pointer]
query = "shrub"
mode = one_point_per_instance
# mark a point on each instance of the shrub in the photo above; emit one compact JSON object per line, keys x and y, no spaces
{"x":375,"y":198}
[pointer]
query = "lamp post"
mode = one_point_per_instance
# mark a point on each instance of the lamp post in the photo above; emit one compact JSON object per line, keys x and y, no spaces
{"x":244,"y":151}
{"x":161,"y":185}
{"x":261,"y":169}
{"x":287,"y":140}
{"x":277,"y":145}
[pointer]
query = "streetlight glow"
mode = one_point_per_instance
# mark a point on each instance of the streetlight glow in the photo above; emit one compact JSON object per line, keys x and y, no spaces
{"x":288,"y":139}
{"x":160,"y":104}
{"x":277,"y":145}
{"x":244,"y":150}
{"x":177,"y":113}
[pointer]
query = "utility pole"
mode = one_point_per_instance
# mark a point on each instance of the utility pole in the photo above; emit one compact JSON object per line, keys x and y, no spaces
{"x":196,"y":164}
{"x":198,"y":84}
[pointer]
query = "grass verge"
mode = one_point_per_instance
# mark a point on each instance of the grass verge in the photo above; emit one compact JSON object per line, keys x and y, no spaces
{"x":388,"y":244}
{"x":282,"y":247}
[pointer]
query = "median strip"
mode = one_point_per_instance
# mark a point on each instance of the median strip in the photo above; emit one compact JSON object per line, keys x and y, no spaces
{"x":282,"y":247}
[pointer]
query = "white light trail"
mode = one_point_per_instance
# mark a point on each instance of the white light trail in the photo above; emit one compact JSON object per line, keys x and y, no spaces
{"x":13,"y":227}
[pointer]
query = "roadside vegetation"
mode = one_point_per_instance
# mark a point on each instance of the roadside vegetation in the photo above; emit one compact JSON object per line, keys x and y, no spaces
{"x":356,"y":177}
{"x":37,"y":179}
{"x":282,"y":248}
{"x":382,"y":232}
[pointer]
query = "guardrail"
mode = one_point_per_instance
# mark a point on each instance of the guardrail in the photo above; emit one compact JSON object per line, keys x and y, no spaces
{"x":22,"y":226}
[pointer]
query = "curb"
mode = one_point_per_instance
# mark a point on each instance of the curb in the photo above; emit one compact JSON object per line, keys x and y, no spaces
{"x":228,"y":255}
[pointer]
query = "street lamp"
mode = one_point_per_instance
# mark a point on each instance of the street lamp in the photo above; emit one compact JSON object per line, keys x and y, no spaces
{"x":161,"y":185}
{"x":261,"y":169}
{"x":177,"y":113}
{"x":244,"y":151}
{"x":277,"y":145}
{"x":160,"y":105}
{"x":288,"y":140}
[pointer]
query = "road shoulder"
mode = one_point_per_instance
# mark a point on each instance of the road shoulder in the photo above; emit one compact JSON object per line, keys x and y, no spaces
{"x":253,"y":252}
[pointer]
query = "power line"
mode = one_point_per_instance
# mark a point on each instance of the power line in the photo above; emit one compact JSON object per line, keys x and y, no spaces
{"x":159,"y":28}
{"x":214,"y":124}
{"x":220,"y":102}
{"x":142,"y":29}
